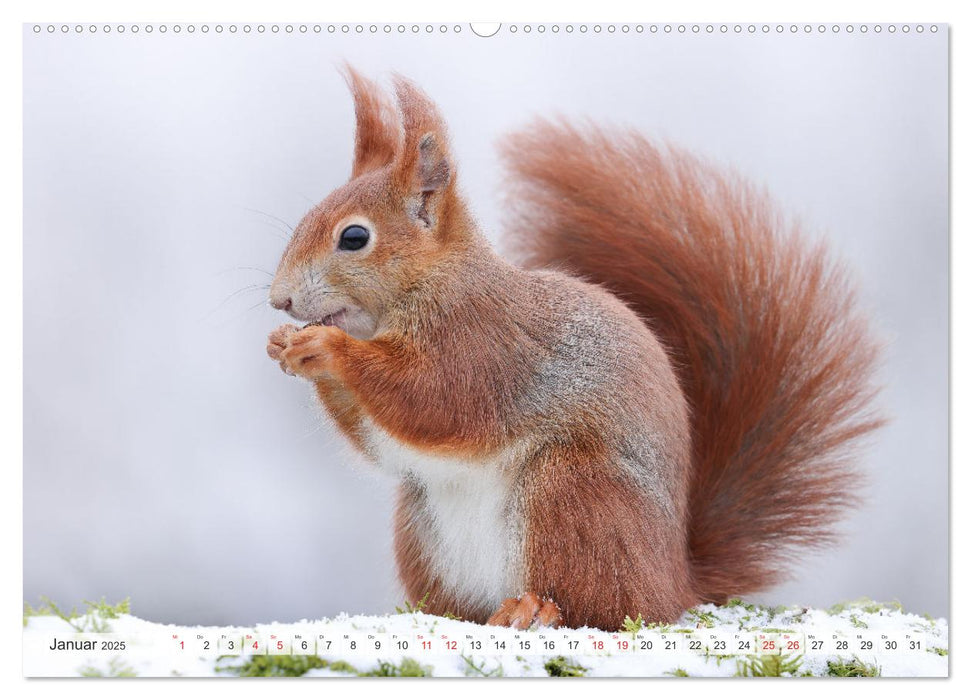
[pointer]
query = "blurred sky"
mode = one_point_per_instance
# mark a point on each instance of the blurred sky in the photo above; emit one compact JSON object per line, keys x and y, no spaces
{"x":167,"y":459}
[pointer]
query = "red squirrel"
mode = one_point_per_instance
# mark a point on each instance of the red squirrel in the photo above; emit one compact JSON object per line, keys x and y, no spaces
{"x":656,"y":408}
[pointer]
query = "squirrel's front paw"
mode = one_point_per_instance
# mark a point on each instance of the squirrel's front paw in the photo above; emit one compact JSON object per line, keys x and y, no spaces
{"x":522,"y":613}
{"x":303,"y":352}
{"x":278,"y":342}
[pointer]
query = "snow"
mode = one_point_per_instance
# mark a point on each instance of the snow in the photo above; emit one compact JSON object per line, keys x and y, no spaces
{"x":448,"y":647}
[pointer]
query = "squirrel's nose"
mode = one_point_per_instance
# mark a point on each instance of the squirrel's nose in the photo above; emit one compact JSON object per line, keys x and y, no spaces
{"x":282,"y":304}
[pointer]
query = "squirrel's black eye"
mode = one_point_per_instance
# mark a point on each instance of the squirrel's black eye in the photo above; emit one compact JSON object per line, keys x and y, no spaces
{"x":353,"y":238}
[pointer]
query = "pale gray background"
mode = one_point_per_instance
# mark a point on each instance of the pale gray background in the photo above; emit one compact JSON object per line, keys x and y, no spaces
{"x":167,"y":459}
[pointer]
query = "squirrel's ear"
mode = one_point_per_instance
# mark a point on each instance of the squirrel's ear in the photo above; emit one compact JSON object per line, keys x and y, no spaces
{"x":424,"y":168}
{"x":377,"y":135}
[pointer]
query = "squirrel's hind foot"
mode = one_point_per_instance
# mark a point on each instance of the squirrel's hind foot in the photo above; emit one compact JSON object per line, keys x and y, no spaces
{"x":522,"y":613}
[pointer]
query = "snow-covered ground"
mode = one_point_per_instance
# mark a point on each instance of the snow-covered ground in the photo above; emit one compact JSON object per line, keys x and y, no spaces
{"x":861,"y":638}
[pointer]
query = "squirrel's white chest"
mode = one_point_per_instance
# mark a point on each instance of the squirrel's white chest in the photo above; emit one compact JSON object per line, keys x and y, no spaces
{"x":470,"y":522}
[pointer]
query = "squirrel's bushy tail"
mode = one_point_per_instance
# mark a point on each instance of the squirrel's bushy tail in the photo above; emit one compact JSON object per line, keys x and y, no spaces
{"x":773,"y":356}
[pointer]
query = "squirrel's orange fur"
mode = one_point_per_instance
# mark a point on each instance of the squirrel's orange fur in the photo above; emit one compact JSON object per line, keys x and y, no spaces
{"x":645,"y":416}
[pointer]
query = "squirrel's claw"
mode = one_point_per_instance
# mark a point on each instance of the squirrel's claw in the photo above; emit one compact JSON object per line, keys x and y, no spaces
{"x":522,"y":613}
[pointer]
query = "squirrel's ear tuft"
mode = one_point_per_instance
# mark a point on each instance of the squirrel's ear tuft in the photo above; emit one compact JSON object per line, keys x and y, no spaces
{"x":377,"y":136}
{"x":424,"y":167}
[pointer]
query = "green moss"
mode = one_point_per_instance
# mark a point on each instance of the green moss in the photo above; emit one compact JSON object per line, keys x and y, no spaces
{"x":938,"y":650}
{"x":92,"y":620}
{"x":775,"y":630}
{"x":857,"y":622}
{"x":562,"y":667}
{"x":49,"y":607}
{"x":702,"y":619}
{"x":479,"y":670}
{"x":852,"y":668}
{"x":719,"y":657}
{"x":116,"y":669}
{"x":342,"y":667}
{"x":273,"y":666}
{"x":633,"y":626}
{"x":756,"y":609}
{"x":408,"y":668}
{"x":866,"y":605}
{"x":677,"y":673}
{"x":755,"y":666}
{"x":292,"y":666}
{"x":410,"y":607}
{"x":30,"y":611}
{"x":411,"y":668}
{"x":108,"y":611}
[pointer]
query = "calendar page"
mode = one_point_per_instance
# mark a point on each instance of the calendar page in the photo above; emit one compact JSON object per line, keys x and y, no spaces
{"x":485,"y":350}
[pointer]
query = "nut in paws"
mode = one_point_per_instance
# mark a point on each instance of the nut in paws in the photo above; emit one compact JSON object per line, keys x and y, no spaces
{"x":303,"y":352}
